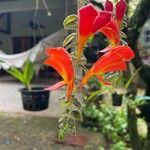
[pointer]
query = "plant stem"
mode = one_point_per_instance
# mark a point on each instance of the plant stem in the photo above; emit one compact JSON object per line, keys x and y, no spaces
{"x":28,"y":86}
{"x":132,"y":128}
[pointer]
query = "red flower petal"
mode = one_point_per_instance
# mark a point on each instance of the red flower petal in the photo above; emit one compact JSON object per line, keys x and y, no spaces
{"x":124,"y":52}
{"x":57,"y":66}
{"x":113,"y":60}
{"x":121,"y":7}
{"x":90,"y":20}
{"x":112,"y":32}
{"x":55,"y":86}
{"x":60,"y":60}
{"x":105,"y":60}
{"x":108,"y":6}
{"x":86,"y":77}
{"x":102,"y":80}
{"x":115,"y":66}
{"x":87,"y":15}
{"x":101,"y":20}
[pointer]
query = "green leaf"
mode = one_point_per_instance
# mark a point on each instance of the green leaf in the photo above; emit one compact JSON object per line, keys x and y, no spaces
{"x":62,"y":119}
{"x":76,"y":114}
{"x":70,"y":45}
{"x":68,"y":39}
{"x":93,"y":95}
{"x":28,"y":71}
{"x":76,"y":102}
{"x":70,"y":122}
{"x":17,"y":74}
{"x":65,"y":103}
{"x":124,"y":25}
{"x":70,"y":22}
{"x":123,"y":35}
{"x":131,"y":78}
{"x":124,"y":42}
{"x":90,"y":40}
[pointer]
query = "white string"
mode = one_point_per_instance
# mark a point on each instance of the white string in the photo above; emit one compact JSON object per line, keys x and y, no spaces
{"x":46,"y":7}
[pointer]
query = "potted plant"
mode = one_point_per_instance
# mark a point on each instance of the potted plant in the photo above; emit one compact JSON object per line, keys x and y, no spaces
{"x":120,"y":87}
{"x":116,"y":99}
{"x":33,"y":98}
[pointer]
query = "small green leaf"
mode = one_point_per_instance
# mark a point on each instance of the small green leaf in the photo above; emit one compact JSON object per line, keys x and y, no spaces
{"x":28,"y":71}
{"x":68,"y":39}
{"x":71,"y":26}
{"x":123,"y":35}
{"x":16,"y":73}
{"x":70,"y":45}
{"x":90,"y":40}
{"x":76,"y":114}
{"x":124,"y":25}
{"x":62,"y":119}
{"x":70,"y":19}
{"x":70,"y":122}
{"x":70,"y":23}
{"x":76,"y":102}
{"x":93,"y":95}
{"x":61,"y":124}
{"x":124,"y":42}
{"x":132,"y":78}
{"x":66,"y":103}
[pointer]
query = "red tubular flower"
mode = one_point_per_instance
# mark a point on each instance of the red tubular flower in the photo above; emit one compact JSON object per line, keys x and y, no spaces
{"x":121,"y":7}
{"x":108,"y":6}
{"x":90,"y":20}
{"x":112,"y":29}
{"x":112,"y":32}
{"x":114,"y":60}
{"x":59,"y":59}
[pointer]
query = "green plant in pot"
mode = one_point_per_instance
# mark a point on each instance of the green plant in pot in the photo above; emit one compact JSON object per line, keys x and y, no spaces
{"x":34,"y":98}
{"x":120,"y":86}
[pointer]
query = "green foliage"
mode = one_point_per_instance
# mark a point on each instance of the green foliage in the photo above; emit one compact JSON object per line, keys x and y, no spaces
{"x":69,"y":39}
{"x":71,"y":114}
{"x":108,"y":121}
{"x":96,"y":91}
{"x":25,"y":75}
{"x":120,"y":145}
{"x":70,"y":22}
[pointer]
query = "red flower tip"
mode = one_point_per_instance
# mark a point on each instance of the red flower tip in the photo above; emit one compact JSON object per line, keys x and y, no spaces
{"x":112,"y":32}
{"x":87,"y":15}
{"x":108,"y":6}
{"x":101,"y":20}
{"x":121,"y":7}
{"x":125,"y":52}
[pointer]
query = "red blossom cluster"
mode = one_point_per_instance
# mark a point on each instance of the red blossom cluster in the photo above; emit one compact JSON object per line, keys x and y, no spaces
{"x":92,"y":20}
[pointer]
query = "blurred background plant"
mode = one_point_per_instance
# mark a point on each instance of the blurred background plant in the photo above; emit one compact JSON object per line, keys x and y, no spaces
{"x":24,"y":75}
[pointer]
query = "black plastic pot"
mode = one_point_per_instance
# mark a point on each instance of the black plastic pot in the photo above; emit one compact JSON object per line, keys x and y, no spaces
{"x":116,"y":99}
{"x":35,"y":100}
